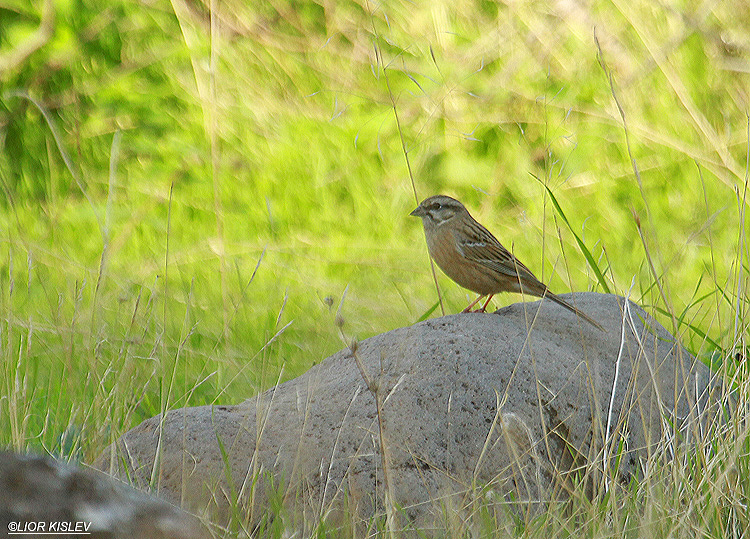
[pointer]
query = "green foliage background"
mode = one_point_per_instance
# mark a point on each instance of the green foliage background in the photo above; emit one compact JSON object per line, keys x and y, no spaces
{"x":235,"y":176}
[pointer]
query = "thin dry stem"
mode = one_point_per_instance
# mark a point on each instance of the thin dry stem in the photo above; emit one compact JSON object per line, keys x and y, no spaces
{"x":379,"y":57}
{"x":374,"y":386}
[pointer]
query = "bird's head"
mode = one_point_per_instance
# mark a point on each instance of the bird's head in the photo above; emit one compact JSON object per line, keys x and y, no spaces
{"x":438,"y":209}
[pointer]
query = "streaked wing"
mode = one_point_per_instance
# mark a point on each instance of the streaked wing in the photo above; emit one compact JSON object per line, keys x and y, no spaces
{"x":482,"y":247}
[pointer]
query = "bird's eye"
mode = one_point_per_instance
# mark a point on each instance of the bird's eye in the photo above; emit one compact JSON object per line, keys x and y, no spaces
{"x":436,"y":205}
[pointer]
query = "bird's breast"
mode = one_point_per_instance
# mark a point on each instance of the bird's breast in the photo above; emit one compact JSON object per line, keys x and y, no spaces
{"x":469,"y":274}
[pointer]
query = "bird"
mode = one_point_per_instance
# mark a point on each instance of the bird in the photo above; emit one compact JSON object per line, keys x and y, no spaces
{"x":471,"y":256}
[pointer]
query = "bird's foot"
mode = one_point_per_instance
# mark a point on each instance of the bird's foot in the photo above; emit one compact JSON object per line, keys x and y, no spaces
{"x":482,"y":309}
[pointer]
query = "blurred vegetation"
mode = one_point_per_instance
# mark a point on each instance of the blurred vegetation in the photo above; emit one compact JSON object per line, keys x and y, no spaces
{"x":191,"y":187}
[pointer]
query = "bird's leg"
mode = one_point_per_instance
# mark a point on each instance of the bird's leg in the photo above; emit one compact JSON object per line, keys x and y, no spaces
{"x":484,"y":307}
{"x":468,"y":309}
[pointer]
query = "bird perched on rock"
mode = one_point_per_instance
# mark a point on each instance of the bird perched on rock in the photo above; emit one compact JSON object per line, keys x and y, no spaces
{"x":469,"y":254}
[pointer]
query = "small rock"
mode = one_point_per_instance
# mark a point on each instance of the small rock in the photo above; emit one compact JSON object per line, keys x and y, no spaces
{"x":44,"y":497}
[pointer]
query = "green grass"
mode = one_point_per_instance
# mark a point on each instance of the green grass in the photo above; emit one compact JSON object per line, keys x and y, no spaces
{"x":226,"y":175}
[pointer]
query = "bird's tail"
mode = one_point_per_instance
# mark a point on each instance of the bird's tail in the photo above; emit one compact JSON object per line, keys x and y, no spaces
{"x":557,"y":299}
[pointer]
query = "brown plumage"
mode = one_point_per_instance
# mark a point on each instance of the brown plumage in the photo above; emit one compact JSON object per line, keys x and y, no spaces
{"x":470,"y":255}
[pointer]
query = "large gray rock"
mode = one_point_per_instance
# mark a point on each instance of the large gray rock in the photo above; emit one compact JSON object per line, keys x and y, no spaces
{"x":517,"y":405}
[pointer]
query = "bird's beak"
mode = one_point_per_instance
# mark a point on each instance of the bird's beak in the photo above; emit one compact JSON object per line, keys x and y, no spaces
{"x":418,"y":212}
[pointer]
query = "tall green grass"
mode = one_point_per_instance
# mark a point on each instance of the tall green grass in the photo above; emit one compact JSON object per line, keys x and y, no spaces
{"x":189,"y":188}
